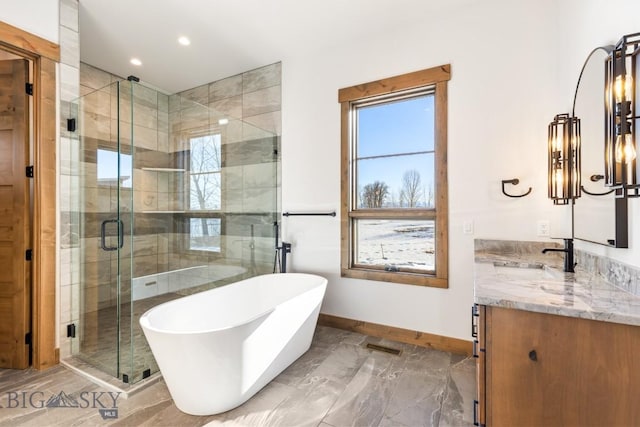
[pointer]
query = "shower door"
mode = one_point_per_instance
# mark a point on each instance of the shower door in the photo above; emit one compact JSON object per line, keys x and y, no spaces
{"x":170,"y":197}
{"x":105,"y":180}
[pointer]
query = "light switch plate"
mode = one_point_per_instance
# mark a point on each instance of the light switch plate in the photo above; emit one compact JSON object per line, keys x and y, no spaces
{"x":467,"y":227}
{"x":543,"y":228}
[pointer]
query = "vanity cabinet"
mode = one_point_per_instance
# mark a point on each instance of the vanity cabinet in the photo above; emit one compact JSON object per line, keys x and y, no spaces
{"x":539,"y":369}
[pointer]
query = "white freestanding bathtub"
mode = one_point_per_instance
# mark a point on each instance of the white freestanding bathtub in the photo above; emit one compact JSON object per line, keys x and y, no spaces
{"x":218,"y":348}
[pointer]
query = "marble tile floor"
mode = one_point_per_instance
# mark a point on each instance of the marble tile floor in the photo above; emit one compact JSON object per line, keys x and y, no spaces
{"x":99,"y":345}
{"x":338,"y":382}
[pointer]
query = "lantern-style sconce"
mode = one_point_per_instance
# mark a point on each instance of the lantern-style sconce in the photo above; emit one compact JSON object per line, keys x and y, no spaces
{"x":564,"y":159}
{"x":621,"y":171}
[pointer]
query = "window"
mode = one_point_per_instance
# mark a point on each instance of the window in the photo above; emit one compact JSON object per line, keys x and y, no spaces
{"x":107,"y":168}
{"x":394,"y":179}
{"x":204,"y":234}
{"x":204,"y":173}
{"x":205,"y":184}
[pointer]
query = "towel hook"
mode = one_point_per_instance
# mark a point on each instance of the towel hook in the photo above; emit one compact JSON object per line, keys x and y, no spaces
{"x":514,"y":181}
{"x":596,"y":178}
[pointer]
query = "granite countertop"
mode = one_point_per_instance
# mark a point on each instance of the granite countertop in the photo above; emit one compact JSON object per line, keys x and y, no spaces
{"x":517,"y":275}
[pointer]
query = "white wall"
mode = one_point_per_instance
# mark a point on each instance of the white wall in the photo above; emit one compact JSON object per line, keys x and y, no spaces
{"x":501,"y":98}
{"x":514,"y":66}
{"x":39,"y":17}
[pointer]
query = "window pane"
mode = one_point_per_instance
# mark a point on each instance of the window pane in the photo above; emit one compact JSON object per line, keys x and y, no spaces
{"x":404,"y":126}
{"x":205,"y":154}
{"x":204,"y":234}
{"x":402,"y":244}
{"x":205,"y":191}
{"x":108,"y":168}
{"x":205,"y":166}
{"x":401,"y":181}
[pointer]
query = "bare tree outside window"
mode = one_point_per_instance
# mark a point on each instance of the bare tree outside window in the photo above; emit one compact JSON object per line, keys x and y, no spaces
{"x":395,"y":199}
{"x":429,"y":193}
{"x":205,"y":173}
{"x":205,"y":187}
{"x":411,"y":193}
{"x":374,"y":195}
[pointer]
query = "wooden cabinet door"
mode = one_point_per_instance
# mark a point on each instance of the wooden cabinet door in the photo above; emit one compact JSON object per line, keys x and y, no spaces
{"x":14,"y":216}
{"x":531,"y":376}
{"x":547,"y":370}
{"x":608,"y":357}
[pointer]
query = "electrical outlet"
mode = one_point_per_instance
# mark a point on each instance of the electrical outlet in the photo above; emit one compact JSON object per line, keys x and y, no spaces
{"x":467,"y":227}
{"x":543,"y":228}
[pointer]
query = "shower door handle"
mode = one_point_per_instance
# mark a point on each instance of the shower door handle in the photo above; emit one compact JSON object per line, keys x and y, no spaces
{"x":103,"y":234}
{"x":120,"y":233}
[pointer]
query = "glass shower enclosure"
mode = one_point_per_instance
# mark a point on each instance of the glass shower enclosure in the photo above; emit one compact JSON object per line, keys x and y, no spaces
{"x":171,"y":198}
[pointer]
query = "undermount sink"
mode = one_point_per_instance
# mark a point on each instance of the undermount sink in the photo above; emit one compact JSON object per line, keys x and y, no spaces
{"x":519,"y":265}
{"x":531,"y":271}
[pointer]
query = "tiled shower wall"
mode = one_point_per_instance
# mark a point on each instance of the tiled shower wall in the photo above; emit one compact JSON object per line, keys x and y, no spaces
{"x":249,"y":103}
{"x":68,"y":271}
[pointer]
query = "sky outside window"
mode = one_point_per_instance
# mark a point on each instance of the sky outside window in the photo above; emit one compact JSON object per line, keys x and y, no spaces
{"x":108,"y":168}
{"x":402,"y":127}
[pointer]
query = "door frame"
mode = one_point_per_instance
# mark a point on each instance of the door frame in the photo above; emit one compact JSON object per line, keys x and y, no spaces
{"x":44,"y":55}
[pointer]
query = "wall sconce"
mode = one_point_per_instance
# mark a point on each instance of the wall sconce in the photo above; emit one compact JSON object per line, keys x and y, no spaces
{"x":564,"y":159}
{"x":621,"y":119}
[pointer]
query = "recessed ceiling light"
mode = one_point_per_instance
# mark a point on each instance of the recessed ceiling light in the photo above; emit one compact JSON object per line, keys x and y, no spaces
{"x":223,"y":121}
{"x":184,"y":41}
{"x":136,"y":61}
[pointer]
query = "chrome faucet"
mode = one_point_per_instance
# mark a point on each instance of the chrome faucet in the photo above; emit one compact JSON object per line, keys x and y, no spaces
{"x":568,"y":254}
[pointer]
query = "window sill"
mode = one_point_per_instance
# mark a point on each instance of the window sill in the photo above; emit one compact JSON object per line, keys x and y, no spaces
{"x":415,"y":279}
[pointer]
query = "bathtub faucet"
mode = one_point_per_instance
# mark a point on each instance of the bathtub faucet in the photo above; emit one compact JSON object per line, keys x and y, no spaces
{"x":284,"y":250}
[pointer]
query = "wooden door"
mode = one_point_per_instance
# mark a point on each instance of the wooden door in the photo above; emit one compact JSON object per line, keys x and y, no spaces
{"x":15,"y":314}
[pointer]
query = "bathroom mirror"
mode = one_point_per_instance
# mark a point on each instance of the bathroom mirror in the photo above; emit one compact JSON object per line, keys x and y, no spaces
{"x":598,"y":216}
